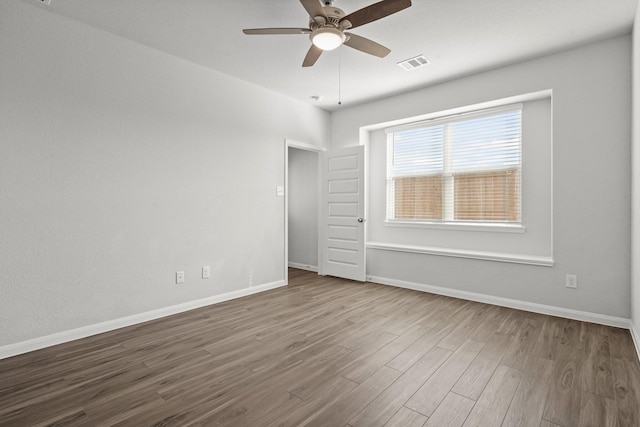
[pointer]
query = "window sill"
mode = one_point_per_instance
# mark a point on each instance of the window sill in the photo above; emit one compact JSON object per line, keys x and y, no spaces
{"x":545,"y":261}
{"x":498,"y":228}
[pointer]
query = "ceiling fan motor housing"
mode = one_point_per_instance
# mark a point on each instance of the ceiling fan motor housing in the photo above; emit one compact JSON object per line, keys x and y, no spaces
{"x":334,"y":12}
{"x":334,"y":15}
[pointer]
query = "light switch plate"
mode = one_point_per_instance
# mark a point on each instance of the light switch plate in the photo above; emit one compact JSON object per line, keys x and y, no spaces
{"x":206,"y":272}
{"x":279,"y":190}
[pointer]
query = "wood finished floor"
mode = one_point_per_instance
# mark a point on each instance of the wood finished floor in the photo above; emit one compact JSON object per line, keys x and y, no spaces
{"x":331,"y":352}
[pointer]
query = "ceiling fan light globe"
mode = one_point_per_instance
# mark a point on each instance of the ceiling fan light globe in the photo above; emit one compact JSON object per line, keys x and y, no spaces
{"x":327,"y":38}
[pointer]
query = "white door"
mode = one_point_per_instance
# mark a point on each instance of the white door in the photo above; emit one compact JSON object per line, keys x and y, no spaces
{"x":343,"y":253}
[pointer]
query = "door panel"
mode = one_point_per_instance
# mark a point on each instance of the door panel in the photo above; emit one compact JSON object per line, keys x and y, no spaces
{"x":343,"y":201}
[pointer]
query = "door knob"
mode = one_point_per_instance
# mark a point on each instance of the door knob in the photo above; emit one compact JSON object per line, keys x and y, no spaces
{"x":361,"y":220}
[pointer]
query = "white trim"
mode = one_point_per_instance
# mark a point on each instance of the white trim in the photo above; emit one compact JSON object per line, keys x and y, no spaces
{"x":568,"y":313}
{"x":551,"y":209}
{"x":440,"y":117}
{"x":303,"y":266}
{"x":304,"y":146}
{"x":544,"y":261}
{"x":533,"y":96}
{"x":110,"y":325}
{"x":285,"y":271}
{"x":636,"y":337}
{"x":461,"y":226}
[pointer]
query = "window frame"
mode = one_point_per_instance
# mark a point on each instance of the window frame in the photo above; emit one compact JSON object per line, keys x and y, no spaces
{"x":448,"y":223}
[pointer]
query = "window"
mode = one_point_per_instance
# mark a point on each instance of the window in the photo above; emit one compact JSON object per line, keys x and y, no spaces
{"x":463,"y":168}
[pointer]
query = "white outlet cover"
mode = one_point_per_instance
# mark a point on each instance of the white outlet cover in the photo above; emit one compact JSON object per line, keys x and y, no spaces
{"x":279,"y":190}
{"x":206,"y":272}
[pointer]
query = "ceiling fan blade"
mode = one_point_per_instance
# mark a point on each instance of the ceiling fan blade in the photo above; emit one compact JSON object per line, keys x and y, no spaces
{"x":365,"y":45}
{"x":375,"y":11}
{"x":312,"y":56}
{"x":268,"y":31}
{"x":313,"y":8}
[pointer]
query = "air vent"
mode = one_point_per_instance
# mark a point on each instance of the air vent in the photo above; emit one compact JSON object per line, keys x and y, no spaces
{"x":413,"y":63}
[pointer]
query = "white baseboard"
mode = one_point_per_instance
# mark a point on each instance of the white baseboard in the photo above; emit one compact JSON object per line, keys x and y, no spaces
{"x":568,"y":313}
{"x":98,"y":328}
{"x":636,"y":338}
{"x":303,"y":266}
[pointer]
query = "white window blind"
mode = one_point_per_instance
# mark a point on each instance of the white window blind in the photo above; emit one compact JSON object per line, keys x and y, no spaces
{"x":465,"y":168}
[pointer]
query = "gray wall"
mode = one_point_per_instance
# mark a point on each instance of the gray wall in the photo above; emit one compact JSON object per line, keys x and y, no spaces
{"x":591,"y":179}
{"x":121,"y":165}
{"x":303,"y":208}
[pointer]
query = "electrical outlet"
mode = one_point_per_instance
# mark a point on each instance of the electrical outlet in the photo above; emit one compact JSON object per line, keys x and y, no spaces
{"x":571,"y":281}
{"x":179,"y":277}
{"x":206,"y":272}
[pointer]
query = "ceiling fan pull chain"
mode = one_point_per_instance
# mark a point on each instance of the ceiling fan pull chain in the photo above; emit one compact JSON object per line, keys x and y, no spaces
{"x":339,"y":76}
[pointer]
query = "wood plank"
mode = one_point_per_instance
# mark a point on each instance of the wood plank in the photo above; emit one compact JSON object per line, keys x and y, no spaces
{"x":621,"y":344}
{"x":490,"y":325}
{"x":437,"y":333}
{"x":453,"y":411}
{"x":406,"y":418}
{"x":597,"y":411}
{"x":268,"y":402}
{"x":361,"y":369}
{"x":436,"y":388}
{"x":71,"y":417}
{"x":122,"y":410}
{"x":342,"y":411}
{"x":626,"y":376}
{"x":333,"y":391}
{"x":312,"y":378}
{"x":527,"y":406}
{"x":494,"y":401}
{"x":393,"y":398}
{"x":597,"y":375}
{"x":408,"y":357}
{"x":565,"y":393}
{"x":476,"y":314}
{"x":546,"y":345}
{"x":525,"y":341}
{"x":475,"y":378}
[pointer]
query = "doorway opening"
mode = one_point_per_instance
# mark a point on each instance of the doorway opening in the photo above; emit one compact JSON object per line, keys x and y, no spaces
{"x":302,"y":207}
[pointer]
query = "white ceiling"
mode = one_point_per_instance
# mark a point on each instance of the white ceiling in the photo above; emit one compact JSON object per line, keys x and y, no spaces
{"x":459,"y":37}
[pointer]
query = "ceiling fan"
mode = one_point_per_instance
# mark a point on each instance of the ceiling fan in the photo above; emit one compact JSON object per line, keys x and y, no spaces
{"x":327,"y":27}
